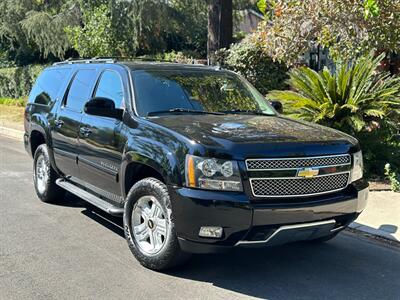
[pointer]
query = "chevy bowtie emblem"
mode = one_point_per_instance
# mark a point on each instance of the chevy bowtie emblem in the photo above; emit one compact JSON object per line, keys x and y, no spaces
{"x":308,"y":173}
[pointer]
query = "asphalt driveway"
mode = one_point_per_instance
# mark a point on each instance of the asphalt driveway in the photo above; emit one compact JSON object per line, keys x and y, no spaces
{"x":74,"y":251}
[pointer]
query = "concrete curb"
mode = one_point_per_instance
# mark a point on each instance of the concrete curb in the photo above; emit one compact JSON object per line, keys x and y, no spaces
{"x":370,"y":231}
{"x":12,"y":133}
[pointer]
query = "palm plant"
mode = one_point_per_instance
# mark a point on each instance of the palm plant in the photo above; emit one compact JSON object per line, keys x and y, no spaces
{"x":355,"y":98}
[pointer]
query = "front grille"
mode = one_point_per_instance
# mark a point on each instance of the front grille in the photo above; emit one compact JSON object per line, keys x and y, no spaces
{"x":297,"y":186}
{"x":295,"y":163}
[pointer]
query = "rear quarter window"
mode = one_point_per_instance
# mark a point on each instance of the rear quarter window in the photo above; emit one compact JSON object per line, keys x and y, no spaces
{"x":47,"y":86}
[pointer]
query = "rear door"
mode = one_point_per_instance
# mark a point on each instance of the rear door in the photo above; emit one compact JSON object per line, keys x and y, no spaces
{"x":66,"y":124}
{"x":101,"y":140}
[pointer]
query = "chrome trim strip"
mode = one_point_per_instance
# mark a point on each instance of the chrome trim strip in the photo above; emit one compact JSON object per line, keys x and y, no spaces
{"x":298,"y":177}
{"x":97,"y":166}
{"x":286,"y":227}
{"x":68,"y":154}
{"x":296,"y":158}
{"x":301,"y":195}
{"x":338,"y":228}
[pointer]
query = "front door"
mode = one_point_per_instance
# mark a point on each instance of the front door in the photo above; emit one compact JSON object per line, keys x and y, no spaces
{"x":102,"y":142}
{"x":66,"y":124}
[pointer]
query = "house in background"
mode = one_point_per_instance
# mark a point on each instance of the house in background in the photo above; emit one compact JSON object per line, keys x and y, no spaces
{"x":248,"y":21}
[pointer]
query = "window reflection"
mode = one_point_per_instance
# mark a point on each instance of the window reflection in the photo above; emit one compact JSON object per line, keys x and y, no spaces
{"x":159,"y":90}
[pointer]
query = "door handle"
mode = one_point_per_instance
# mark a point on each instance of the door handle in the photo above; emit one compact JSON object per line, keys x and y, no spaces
{"x":58,"y":123}
{"x":85,"y":131}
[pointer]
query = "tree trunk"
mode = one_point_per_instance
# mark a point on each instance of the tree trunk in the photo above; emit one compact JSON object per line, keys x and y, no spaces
{"x":219,"y":27}
{"x":226,"y":24}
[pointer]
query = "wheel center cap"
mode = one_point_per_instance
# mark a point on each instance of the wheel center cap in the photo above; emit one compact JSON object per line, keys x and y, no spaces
{"x":150,"y":223}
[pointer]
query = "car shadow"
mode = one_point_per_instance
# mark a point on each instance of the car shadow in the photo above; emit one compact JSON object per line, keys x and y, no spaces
{"x":112,"y":223}
{"x":348,"y":267}
{"x":344,"y":268}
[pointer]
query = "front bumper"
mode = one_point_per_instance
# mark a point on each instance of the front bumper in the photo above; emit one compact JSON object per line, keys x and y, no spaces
{"x":254,"y":224}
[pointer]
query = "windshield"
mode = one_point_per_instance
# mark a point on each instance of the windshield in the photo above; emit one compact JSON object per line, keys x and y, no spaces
{"x":187,"y":91}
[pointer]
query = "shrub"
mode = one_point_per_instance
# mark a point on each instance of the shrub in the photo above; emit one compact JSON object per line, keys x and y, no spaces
{"x":17,"y":82}
{"x":248,"y":59}
{"x":185,"y":57}
{"x":356,"y":99}
{"x":393,"y":177}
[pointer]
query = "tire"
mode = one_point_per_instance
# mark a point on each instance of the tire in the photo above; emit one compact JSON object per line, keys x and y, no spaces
{"x":44,"y":177}
{"x":149,"y":227}
{"x":324,"y":238}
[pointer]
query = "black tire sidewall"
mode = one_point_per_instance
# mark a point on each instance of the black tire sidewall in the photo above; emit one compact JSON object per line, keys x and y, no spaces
{"x":170,"y":254}
{"x":52,"y":192}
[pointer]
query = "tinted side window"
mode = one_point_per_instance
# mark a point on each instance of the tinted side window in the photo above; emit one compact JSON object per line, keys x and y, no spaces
{"x":80,"y":89}
{"x":48,"y":85}
{"x":110,"y":86}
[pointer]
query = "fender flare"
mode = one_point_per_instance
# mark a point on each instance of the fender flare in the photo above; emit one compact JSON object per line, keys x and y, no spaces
{"x":40,"y":124}
{"x":167,"y":165}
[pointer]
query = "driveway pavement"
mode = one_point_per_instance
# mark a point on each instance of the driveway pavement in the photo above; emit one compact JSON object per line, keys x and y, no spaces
{"x":74,"y":251}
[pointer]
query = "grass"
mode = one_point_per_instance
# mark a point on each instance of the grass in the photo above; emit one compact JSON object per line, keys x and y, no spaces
{"x":11,"y":116}
{"x":21,"y":102}
{"x":12,"y":112}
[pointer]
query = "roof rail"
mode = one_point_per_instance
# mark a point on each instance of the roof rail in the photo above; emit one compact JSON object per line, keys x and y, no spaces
{"x":188,"y":61}
{"x":114,"y":59}
{"x":94,"y":60}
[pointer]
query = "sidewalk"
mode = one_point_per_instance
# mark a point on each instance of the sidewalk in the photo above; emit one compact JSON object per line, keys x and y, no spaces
{"x":381,"y":216}
{"x":12,"y":133}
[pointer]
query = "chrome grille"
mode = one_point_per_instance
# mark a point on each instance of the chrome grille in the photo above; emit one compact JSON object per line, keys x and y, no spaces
{"x":295,"y":163}
{"x":297,"y":186}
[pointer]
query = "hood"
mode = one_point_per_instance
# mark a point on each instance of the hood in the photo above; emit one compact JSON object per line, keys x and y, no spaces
{"x":247,"y":133}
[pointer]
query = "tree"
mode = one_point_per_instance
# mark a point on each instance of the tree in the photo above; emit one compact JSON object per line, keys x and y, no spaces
{"x":355,"y":99}
{"x":95,"y":38}
{"x":40,"y":30}
{"x":30,"y":28}
{"x":347,"y":27}
{"x":220,"y":26}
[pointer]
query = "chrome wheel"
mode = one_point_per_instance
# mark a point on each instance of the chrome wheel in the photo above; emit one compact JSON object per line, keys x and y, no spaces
{"x":150,"y":225}
{"x":42,"y":174}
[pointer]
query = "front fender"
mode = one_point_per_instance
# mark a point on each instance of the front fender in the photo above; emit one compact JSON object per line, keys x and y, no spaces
{"x":155,"y":155}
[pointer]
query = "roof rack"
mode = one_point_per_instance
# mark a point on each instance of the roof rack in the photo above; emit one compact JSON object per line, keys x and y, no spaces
{"x":94,"y":60}
{"x":114,"y":59}
{"x":191,"y":61}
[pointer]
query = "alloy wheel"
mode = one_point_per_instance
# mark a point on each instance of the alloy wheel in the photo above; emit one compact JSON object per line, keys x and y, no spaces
{"x":150,"y":224}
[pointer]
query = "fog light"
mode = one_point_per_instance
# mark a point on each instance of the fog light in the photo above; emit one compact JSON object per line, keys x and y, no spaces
{"x":211,"y":231}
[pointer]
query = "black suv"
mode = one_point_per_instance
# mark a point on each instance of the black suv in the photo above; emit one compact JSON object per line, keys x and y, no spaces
{"x":193,"y":158}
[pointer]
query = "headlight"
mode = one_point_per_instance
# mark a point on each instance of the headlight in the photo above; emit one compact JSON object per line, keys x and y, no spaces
{"x":212,"y":174}
{"x":358,"y":166}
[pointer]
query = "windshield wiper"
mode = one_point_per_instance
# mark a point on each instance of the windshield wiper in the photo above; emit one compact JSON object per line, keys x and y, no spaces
{"x":183,"y":110}
{"x":245,"y":111}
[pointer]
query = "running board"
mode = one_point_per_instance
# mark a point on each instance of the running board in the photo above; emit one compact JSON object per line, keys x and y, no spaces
{"x":92,"y":199}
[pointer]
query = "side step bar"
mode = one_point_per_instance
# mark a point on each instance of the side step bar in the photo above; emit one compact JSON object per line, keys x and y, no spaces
{"x":92,"y":199}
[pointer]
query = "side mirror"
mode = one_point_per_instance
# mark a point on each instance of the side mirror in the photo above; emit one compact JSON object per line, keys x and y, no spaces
{"x":277,"y":105}
{"x":104,"y":107}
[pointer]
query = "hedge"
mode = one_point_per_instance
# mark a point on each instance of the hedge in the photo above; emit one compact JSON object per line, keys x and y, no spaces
{"x":17,"y":82}
{"x":250,"y":60}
